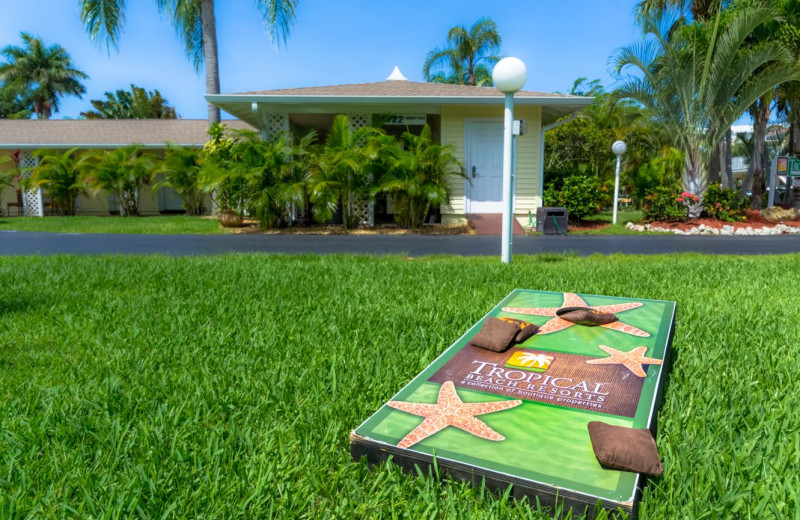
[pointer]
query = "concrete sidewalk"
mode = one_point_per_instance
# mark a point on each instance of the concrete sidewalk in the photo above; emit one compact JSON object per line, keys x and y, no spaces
{"x":37,"y":243}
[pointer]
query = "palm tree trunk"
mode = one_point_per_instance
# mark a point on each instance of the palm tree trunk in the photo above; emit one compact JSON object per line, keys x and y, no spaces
{"x":694,"y":179}
{"x":755,"y":173}
{"x":210,"y":55}
{"x":729,"y":159}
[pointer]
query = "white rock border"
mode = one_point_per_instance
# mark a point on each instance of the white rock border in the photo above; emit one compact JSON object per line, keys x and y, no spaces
{"x":727,"y":229}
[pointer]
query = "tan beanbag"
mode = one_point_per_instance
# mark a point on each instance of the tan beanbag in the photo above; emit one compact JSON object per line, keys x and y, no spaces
{"x":627,"y":449}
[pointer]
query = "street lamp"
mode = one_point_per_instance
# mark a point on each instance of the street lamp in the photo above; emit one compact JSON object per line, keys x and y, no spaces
{"x":619,"y":148}
{"x":509,"y":76}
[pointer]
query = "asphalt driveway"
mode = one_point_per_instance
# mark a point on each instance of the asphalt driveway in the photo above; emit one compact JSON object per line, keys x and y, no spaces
{"x":36,"y":243}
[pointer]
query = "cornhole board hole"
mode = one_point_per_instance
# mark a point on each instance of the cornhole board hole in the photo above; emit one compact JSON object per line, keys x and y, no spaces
{"x":523,"y":421}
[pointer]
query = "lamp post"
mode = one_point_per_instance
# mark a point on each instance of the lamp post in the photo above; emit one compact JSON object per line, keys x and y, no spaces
{"x":619,"y":148}
{"x":509,"y":76}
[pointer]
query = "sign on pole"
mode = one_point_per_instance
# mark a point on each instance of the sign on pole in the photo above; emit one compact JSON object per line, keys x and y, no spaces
{"x":793,"y":169}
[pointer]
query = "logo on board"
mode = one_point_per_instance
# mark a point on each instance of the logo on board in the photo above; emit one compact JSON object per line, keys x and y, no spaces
{"x":533,"y":361}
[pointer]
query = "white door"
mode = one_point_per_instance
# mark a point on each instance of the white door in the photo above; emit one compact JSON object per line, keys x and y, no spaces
{"x":485,"y":166}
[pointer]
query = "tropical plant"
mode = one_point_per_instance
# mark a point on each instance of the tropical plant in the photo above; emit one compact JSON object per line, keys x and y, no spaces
{"x":121,"y":172}
{"x":180,"y":170}
{"x":274,"y":170}
{"x":338,"y":177}
{"x":467,"y":57}
{"x":662,"y":170}
{"x":724,"y":204}
{"x":45,"y":73}
{"x":419,"y":175}
{"x":226,"y":185}
{"x":697,"y":83}
{"x":59,"y":175}
{"x":701,"y":10}
{"x":663,"y":205}
{"x":195,"y":23}
{"x":136,"y":104}
{"x":583,"y":196}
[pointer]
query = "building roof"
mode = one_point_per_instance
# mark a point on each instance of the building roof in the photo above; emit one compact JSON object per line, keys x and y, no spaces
{"x":104,"y":133}
{"x":397,"y":95}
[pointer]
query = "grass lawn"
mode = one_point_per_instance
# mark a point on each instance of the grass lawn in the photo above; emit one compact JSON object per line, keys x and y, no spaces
{"x":167,"y":225}
{"x":221,"y":387}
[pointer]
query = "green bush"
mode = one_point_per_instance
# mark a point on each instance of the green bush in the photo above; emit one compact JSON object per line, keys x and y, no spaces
{"x":582,"y":196}
{"x":724,"y":204}
{"x":664,"y":204}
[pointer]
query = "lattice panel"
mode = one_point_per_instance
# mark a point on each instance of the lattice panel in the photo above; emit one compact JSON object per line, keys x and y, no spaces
{"x":274,"y":124}
{"x":364,"y":208}
{"x":358,"y":120}
{"x":31,"y":200}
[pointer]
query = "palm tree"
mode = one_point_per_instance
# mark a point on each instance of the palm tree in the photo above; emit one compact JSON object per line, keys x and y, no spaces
{"x":701,"y":10}
{"x":59,"y":173}
{"x":137,"y":103}
{"x":467,"y":56}
{"x":45,"y":72}
{"x":419,"y":177}
{"x":180,"y":170}
{"x":696,"y":87}
{"x":195,"y":24}
{"x":340,"y":172}
{"x":120,"y":172}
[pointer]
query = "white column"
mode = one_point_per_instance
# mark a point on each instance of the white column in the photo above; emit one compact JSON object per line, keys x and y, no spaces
{"x":508,"y":210}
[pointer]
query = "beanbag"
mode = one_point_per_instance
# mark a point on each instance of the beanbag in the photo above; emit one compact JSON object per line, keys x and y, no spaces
{"x":627,"y":449}
{"x":585,"y":316}
{"x":526,"y":329}
{"x":495,"y":335}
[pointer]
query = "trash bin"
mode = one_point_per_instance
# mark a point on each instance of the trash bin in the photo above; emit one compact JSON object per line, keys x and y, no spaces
{"x":552,"y":221}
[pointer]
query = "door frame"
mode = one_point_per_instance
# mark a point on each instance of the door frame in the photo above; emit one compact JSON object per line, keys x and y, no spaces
{"x":468,"y":121}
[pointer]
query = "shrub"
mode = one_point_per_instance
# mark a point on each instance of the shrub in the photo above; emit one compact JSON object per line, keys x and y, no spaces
{"x":724,"y":204}
{"x":664,"y":204}
{"x":582,"y":196}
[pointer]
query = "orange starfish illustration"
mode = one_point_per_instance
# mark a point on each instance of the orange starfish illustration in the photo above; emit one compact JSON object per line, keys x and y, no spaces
{"x":450,"y":410}
{"x":632,"y":360}
{"x":556,"y":324}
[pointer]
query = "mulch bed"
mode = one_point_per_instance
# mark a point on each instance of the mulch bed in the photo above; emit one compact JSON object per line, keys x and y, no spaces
{"x":753,"y":220}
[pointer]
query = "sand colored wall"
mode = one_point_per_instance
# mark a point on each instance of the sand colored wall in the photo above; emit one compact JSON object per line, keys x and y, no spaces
{"x":527,"y":192}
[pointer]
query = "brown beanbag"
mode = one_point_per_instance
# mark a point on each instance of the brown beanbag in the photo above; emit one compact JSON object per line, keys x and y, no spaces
{"x":628,"y":449}
{"x":585,"y":316}
{"x":495,"y":335}
{"x":526,"y":329}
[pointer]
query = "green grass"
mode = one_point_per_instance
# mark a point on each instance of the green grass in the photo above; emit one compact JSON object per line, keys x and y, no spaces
{"x":223,"y":387}
{"x":169,"y":225}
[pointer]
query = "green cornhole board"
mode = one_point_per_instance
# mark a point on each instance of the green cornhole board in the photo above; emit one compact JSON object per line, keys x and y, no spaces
{"x":539,"y":396}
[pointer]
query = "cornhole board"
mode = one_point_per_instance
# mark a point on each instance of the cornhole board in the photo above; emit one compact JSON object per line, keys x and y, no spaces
{"x":523,"y":422}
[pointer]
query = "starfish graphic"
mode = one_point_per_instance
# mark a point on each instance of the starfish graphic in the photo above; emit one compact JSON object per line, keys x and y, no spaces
{"x":556,"y":324}
{"x":450,"y":410}
{"x":632,"y":360}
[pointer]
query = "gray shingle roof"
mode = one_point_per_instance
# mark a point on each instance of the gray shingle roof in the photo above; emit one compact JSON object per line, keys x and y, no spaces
{"x":398,"y":89}
{"x":66,"y":133}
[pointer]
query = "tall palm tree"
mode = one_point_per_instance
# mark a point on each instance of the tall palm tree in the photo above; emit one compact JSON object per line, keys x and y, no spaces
{"x":697,"y":87}
{"x":701,"y":10}
{"x":467,"y":56}
{"x":195,"y":24}
{"x":45,"y":72}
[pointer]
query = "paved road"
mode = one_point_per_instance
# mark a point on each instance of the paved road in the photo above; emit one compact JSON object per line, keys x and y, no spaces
{"x":30,"y":243}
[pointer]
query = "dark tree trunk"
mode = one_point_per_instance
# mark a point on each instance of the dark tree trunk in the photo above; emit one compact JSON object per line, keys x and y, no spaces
{"x":759,"y":150}
{"x":714,"y":164}
{"x":210,"y":55}
{"x":729,"y":159}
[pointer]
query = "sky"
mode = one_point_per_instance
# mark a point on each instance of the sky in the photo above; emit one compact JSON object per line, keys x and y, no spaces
{"x":332,"y":42}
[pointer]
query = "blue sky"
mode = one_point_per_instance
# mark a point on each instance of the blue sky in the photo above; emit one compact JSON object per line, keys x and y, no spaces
{"x":333,"y":42}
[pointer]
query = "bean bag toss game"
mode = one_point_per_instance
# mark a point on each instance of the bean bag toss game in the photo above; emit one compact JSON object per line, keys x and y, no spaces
{"x":519,"y":415}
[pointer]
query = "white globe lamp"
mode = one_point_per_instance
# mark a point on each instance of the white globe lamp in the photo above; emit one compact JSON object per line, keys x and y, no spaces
{"x":509,"y":76}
